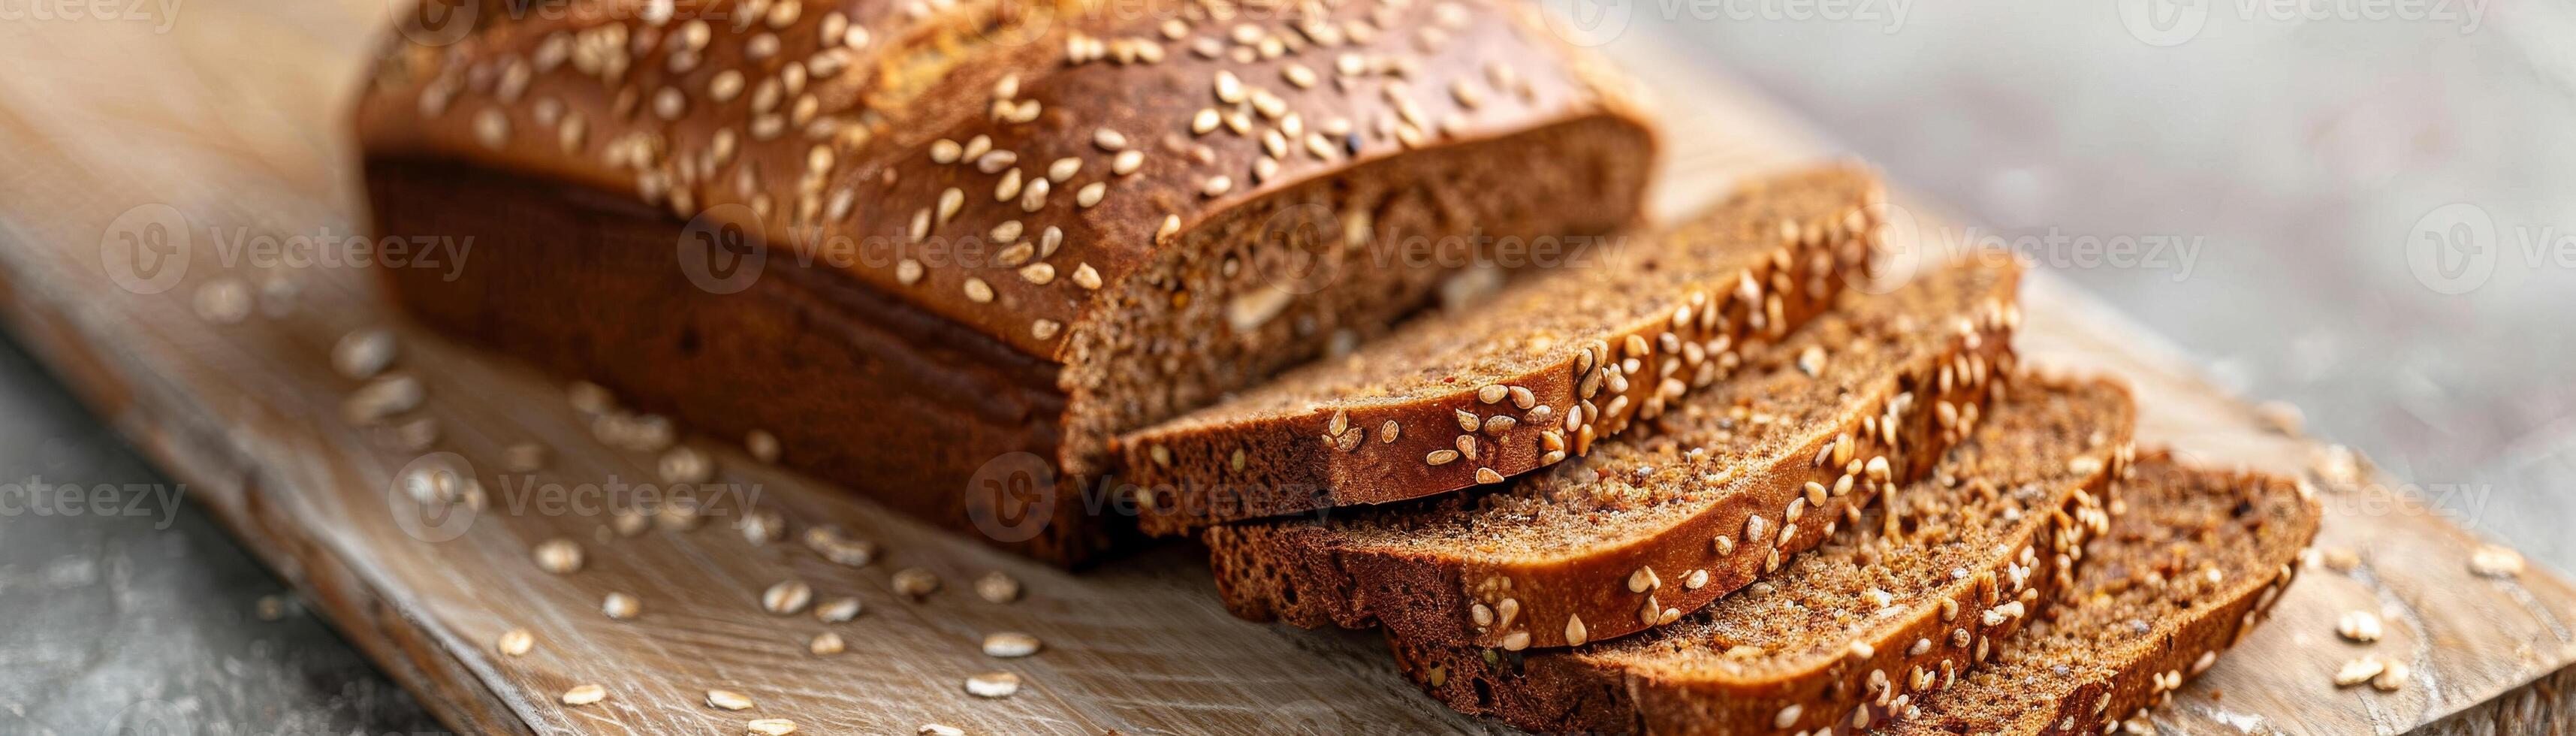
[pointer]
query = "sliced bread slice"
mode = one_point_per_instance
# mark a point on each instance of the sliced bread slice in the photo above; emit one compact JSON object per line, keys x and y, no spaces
{"x":1835,"y":638}
{"x":1741,"y":474}
{"x":2193,"y":561}
{"x":1524,"y":380}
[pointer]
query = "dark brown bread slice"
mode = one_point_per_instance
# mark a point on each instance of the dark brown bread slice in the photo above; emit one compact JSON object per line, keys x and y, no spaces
{"x":1979,"y":548}
{"x":2193,"y":561}
{"x":929,"y":245}
{"x":1600,"y":548}
{"x":1526,"y":379}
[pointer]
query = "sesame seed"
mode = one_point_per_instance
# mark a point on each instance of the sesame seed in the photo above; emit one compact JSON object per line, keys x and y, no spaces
{"x":838,"y":610}
{"x":1109,"y":140}
{"x":1127,"y":162}
{"x":1010,"y":644}
{"x":2358,"y":671}
{"x":950,"y":201}
{"x":621,"y":606}
{"x":1575,"y":634}
{"x":826,"y":644}
{"x":915,"y":583}
{"x":728,"y":700}
{"x":1229,"y":89}
{"x":1488,"y":476}
{"x":1085,"y":277}
{"x":762,"y":444}
{"x":1038,"y":273}
{"x":1090,"y":194}
{"x":993,"y":685}
{"x":584,"y":695}
{"x":944,"y":151}
{"x":1006,"y":232}
{"x":1063,"y":168}
{"x":997,"y":587}
{"x":786,"y":597}
{"x":995,"y":161}
{"x":2359,"y":626}
{"x":979,"y":292}
{"x":559,"y":556}
{"x":907,"y":271}
{"x":491,"y":127}
{"x":2392,"y":677}
{"x":1787,"y":717}
{"x":940,"y":729}
{"x":771,"y":726}
{"x":1516,"y":641}
{"x":2493,"y":561}
{"x":1171,"y":224}
{"x":1298,"y":74}
{"x":1441,"y":457}
{"x":516,"y":642}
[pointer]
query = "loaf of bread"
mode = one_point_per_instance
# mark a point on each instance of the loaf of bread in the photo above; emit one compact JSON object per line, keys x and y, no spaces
{"x":1523,"y":380}
{"x":1842,"y":633}
{"x":1737,"y":477}
{"x":2193,"y":561}
{"x":946,"y":251}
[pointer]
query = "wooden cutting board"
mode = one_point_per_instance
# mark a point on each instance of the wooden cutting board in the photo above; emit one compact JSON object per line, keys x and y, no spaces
{"x":225,"y":126}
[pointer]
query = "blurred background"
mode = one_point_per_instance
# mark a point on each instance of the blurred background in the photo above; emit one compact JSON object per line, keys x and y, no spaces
{"x":2357,"y":207}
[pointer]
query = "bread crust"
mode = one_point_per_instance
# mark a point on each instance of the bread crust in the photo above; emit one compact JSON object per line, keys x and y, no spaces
{"x":1049,"y":151}
{"x":1315,"y":573}
{"x":1648,"y":684}
{"x":1788,"y":246}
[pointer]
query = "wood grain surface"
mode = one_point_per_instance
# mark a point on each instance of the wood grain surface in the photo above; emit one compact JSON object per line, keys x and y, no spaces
{"x":230,"y":122}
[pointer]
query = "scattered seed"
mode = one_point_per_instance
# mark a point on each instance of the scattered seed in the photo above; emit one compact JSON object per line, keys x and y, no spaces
{"x":685,"y":464}
{"x":827,"y":644}
{"x":993,"y":685}
{"x":2495,"y":561}
{"x":939,"y":729}
{"x":997,"y":587}
{"x":728,"y":700}
{"x":584,"y":695}
{"x":2392,"y":677}
{"x":2358,"y":671}
{"x":559,"y":556}
{"x":915,"y":583}
{"x":363,"y":353}
{"x":772,"y":726}
{"x":787,"y":597}
{"x":1008,"y":644}
{"x":2359,"y":626}
{"x":621,"y":606}
{"x":516,"y":642}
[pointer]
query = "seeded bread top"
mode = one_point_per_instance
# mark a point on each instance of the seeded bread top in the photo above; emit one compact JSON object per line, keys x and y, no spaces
{"x":1004,"y":161}
{"x":2040,"y":443}
{"x":2186,"y":549}
{"x":1492,"y":390}
{"x":1545,"y":323}
{"x":1810,"y":379}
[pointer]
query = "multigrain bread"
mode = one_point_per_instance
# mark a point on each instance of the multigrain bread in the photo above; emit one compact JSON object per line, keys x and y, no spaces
{"x":1734,"y":478}
{"x":2193,"y":561}
{"x":1525,"y":379}
{"x":915,"y":239}
{"x":1849,"y":632}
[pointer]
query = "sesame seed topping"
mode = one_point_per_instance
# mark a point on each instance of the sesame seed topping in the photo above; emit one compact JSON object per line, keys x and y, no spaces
{"x":1109,"y":140}
{"x":1488,"y":476}
{"x":1044,"y":329}
{"x":491,"y":127}
{"x":1575,"y":634}
{"x":620,"y":606}
{"x":1063,"y":168}
{"x":771,"y":726}
{"x":915,"y":583}
{"x":1090,"y":194}
{"x":1127,"y":162}
{"x":1441,"y":457}
{"x":1229,"y":89}
{"x":838,"y":610}
{"x":1217,"y":186}
{"x":978,"y":291}
{"x":1085,"y":277}
{"x":1206,"y":120}
{"x":907,"y":271}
